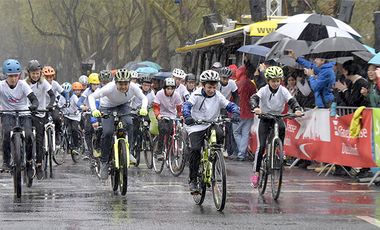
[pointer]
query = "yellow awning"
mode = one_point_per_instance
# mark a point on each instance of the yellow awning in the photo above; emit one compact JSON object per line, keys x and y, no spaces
{"x":225,"y":34}
{"x":261,"y":29}
{"x":188,"y":48}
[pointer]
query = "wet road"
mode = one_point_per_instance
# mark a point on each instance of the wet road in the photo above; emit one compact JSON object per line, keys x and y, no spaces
{"x":74,"y":199}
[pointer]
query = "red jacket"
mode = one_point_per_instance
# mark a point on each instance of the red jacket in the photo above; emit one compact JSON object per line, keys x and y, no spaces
{"x":245,"y":89}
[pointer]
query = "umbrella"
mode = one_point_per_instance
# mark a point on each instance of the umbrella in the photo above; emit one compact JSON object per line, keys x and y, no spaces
{"x":146,"y":70}
{"x":254,"y":49}
{"x":370,"y":49}
{"x":133,"y":65}
{"x":375,"y":60}
{"x":299,"y":47}
{"x":336,"y":47}
{"x":271,"y":39}
{"x":162,"y":75}
{"x":150,"y":64}
{"x":364,"y":55}
{"x":321,"y":20}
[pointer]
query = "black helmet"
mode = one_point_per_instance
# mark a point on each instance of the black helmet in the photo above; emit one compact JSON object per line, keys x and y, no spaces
{"x":33,"y":65}
{"x":190,"y":77}
{"x":225,"y":72}
{"x":146,"y":78}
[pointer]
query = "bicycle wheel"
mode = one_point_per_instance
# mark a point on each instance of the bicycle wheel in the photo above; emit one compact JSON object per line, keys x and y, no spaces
{"x":77,"y":153}
{"x":17,"y":164}
{"x":137,"y":149}
{"x":263,"y":180}
{"x":176,"y":156}
{"x":50,"y":151}
{"x":200,"y":196}
{"x":123,"y":169}
{"x":147,"y":147}
{"x":60,"y":153}
{"x":158,"y":159}
{"x":219,"y":180}
{"x":278,"y":166}
{"x":114,"y":177}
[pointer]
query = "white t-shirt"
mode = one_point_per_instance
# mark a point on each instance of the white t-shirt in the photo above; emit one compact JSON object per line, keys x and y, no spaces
{"x":40,"y":89}
{"x":207,"y":109}
{"x":182,"y":91}
{"x":273,"y":103}
{"x":136,"y":102}
{"x":72,"y":112}
{"x":16,"y":98}
{"x":228,"y":89}
{"x":57,"y":89}
{"x":168,"y":105}
{"x":85,"y":94}
{"x":111,"y":97}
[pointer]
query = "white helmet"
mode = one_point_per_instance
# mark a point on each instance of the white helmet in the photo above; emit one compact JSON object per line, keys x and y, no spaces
{"x":134,"y":75}
{"x":216,"y":65}
{"x":83,"y":79}
{"x":169,"y":82}
{"x":179,"y":73}
{"x":209,"y":76}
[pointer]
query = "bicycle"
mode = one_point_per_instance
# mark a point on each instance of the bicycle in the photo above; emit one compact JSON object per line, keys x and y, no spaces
{"x":119,"y":162}
{"x":18,"y":146}
{"x":96,"y":152}
{"x":273,"y":160}
{"x":172,"y":150}
{"x":143,"y":142}
{"x":49,"y":145}
{"x":212,"y":168}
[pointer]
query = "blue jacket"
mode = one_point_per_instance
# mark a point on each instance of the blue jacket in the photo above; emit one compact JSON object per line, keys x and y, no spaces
{"x":322,"y":85}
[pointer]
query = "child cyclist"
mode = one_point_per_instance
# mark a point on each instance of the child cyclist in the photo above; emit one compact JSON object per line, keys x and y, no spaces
{"x":271,"y":99}
{"x":204,"y":104}
{"x":167,"y":103}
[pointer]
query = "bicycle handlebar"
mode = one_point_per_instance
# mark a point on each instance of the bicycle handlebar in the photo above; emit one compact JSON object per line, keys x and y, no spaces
{"x":278,"y":116}
{"x":218,"y":121}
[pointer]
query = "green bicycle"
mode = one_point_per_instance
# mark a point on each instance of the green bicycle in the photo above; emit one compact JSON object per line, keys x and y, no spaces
{"x":212,"y":168}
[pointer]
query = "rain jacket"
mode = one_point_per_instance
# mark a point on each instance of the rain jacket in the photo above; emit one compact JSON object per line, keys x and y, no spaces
{"x":355,"y":125}
{"x":322,"y":85}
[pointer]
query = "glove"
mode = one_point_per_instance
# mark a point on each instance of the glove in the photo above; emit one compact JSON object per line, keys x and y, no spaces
{"x":49,"y":108}
{"x":96,"y":113}
{"x":235,"y":118}
{"x":33,"y":108}
{"x":189,"y":121}
{"x":143,"y":112}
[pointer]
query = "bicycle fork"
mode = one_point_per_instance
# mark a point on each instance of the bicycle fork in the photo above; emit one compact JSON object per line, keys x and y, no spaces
{"x":46,"y":139}
{"x":272,"y":146}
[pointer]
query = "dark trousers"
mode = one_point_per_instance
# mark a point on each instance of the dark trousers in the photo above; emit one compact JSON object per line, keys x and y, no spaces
{"x":230,"y":143}
{"x":88,"y":132}
{"x":39,"y":125}
{"x":196,"y":144}
{"x":165,"y":127}
{"x":8,"y":122}
{"x":265,"y":127}
{"x":73,"y":128}
{"x":108,"y":129}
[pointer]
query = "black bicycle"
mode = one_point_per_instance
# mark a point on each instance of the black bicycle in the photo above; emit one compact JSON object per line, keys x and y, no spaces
{"x":143,"y":142}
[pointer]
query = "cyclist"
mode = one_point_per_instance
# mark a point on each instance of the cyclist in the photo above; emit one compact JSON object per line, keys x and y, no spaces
{"x":40,"y":87}
{"x":83,"y":79}
{"x":167,"y":103}
{"x":216,"y":66}
{"x":190,"y":82}
{"x":14,"y":95}
{"x":94,"y":83}
{"x":179,"y":75}
{"x":116,"y":96}
{"x":105,"y":76}
{"x":72,"y":115}
{"x":135,"y":77}
{"x":49,"y":74}
{"x":271,"y":98}
{"x":204,"y":104}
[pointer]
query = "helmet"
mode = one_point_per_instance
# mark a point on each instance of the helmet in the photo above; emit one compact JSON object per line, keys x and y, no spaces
{"x":77,"y":86}
{"x":169,"y":82}
{"x":274,"y":72}
{"x":134,"y":74}
{"x":225,"y":72}
{"x":66,"y":86}
{"x":190,"y":77}
{"x":105,"y":75}
{"x":93,"y":78}
{"x":48,"y":71}
{"x":179,"y":73}
{"x":123,"y":75}
{"x":209,"y":76}
{"x":33,"y":65}
{"x":83,"y":79}
{"x":146,"y":79}
{"x":11,"y":66}
{"x":216,"y":65}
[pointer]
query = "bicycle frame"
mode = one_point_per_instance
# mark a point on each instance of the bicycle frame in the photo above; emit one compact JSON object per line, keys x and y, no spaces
{"x":49,"y":126}
{"x":119,"y":135}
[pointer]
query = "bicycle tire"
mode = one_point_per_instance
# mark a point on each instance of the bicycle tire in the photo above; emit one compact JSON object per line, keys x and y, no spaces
{"x":60,"y":153}
{"x":219,"y":195}
{"x":147,"y":146}
{"x":176,"y":157}
{"x":123,"y":168}
{"x":50,"y":152}
{"x":277,"y":170}
{"x":137,"y":149}
{"x":200,"y":196}
{"x":16,"y":154}
{"x":158,"y":164}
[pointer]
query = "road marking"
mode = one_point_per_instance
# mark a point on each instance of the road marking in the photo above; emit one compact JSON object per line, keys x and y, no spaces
{"x":356,"y":191}
{"x":370,"y":220}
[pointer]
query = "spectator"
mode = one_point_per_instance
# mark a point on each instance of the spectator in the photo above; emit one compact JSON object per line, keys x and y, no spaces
{"x":291,"y":84}
{"x":373,"y":91}
{"x":351,"y":94}
{"x":304,"y":95}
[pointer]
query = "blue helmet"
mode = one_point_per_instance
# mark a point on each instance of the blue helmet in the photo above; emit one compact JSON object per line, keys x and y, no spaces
{"x":11,"y":66}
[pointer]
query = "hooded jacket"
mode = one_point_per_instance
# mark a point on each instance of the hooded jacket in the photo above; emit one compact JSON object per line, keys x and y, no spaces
{"x":322,"y":85}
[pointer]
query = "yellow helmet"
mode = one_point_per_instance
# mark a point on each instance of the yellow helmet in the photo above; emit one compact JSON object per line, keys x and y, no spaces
{"x":93,"y":78}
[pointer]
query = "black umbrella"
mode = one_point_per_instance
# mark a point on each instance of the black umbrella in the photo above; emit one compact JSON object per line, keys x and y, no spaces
{"x":335,"y":47}
{"x":299,"y":47}
{"x":271,"y":39}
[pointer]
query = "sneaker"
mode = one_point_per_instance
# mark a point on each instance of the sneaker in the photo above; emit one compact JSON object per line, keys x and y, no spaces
{"x":255,"y":180}
{"x":104,"y":171}
{"x":132,"y":159}
{"x":225,"y":154}
{"x":39,"y":172}
{"x":30,"y":170}
{"x":193,"y":186}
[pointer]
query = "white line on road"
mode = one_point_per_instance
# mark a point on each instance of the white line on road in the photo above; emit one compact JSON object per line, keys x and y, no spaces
{"x":370,"y":220}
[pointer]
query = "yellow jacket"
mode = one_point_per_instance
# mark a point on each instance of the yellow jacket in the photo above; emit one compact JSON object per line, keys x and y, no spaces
{"x":355,"y":125}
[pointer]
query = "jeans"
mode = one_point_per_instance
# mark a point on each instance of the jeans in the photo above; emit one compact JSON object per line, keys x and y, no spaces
{"x":241,"y":134}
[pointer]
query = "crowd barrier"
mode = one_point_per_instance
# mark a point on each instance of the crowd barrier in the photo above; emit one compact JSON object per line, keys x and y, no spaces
{"x":317,"y":136}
